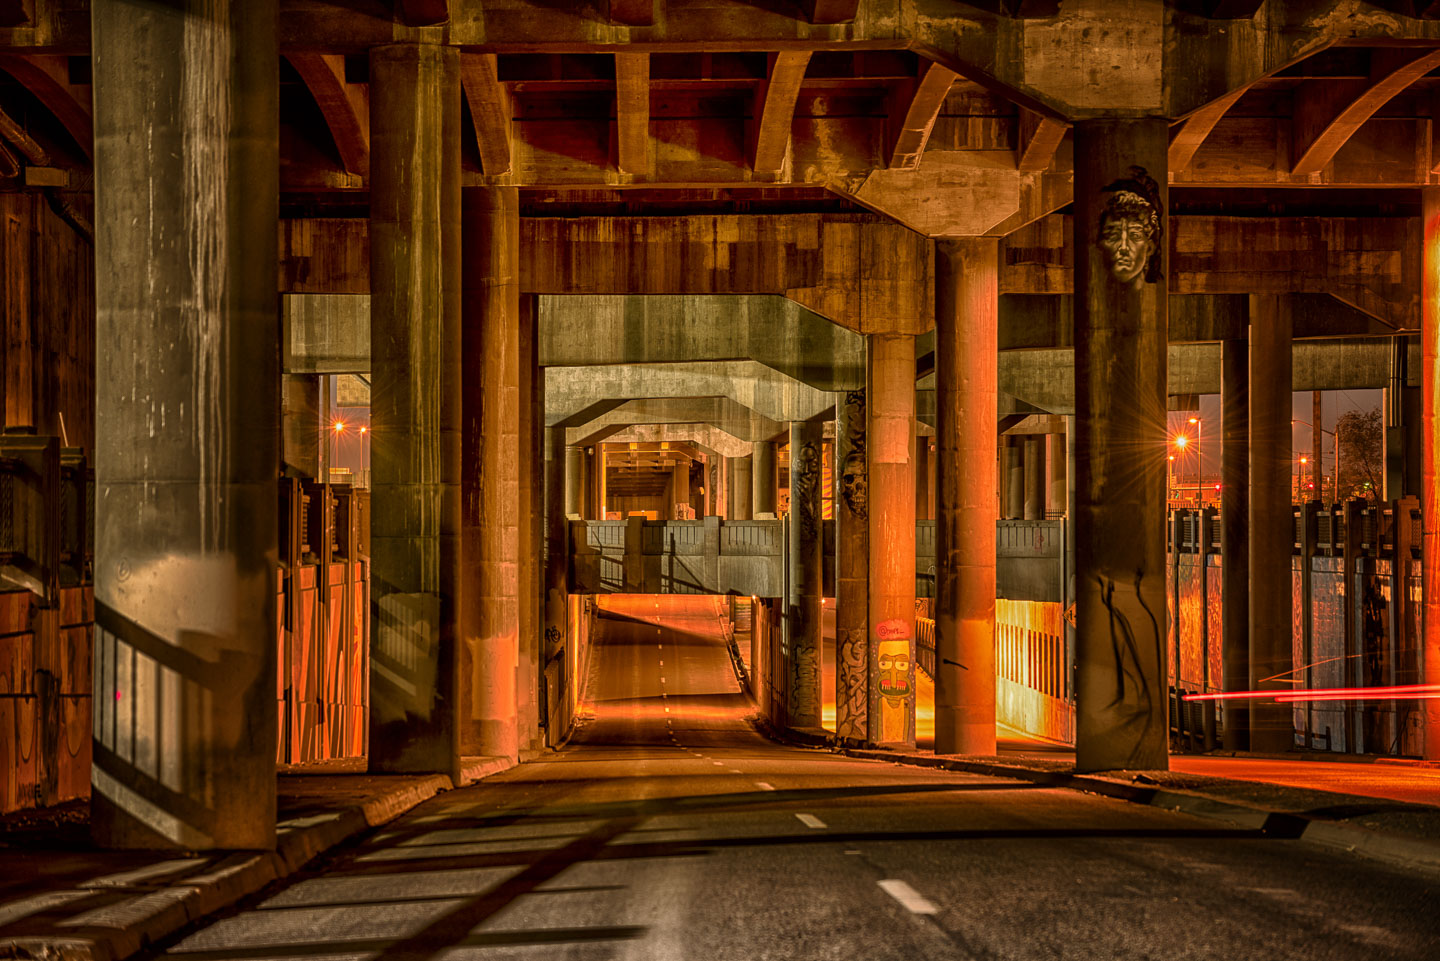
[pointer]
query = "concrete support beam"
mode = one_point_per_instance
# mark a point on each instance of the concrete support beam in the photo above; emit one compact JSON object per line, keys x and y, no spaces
{"x":558,"y":492}
{"x":923,"y":471}
{"x":966,"y":353}
{"x":852,"y":570}
{"x":574,"y":476}
{"x":187,"y":421}
{"x":415,"y":406}
{"x":764,"y":480}
{"x":1120,"y":401}
{"x":889,"y":446}
{"x":1035,"y":477}
{"x":802,"y":616}
{"x":1272,"y":529}
{"x":740,"y":492}
{"x":775,"y":111}
{"x":1057,"y":459}
{"x":530,"y":520}
{"x":1014,"y":475}
{"x":301,"y":424}
{"x":491,"y":476}
{"x":1430,"y":466}
{"x":1235,"y":536}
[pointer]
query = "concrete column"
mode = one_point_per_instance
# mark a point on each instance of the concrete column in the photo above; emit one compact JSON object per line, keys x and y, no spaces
{"x":1120,"y":414}
{"x":852,"y":570}
{"x":802,"y":616}
{"x":574,"y":471}
{"x":967,"y":304}
{"x":1430,"y":465}
{"x":1035,"y":477}
{"x":1272,"y":531}
{"x":679,"y":489}
{"x":922,"y":478}
{"x":1014,"y":490}
{"x":763,"y":477}
{"x":301,"y":425}
{"x":490,"y":537}
{"x":1235,"y":536}
{"x":559,"y":462}
{"x":415,"y":406}
{"x":742,"y":493}
{"x":530,"y":521}
{"x":187,"y":425}
{"x":1057,"y":460}
{"x":889,"y":445}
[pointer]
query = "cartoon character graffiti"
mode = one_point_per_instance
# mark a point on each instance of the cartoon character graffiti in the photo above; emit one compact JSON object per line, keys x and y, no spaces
{"x":1131,"y":229}
{"x":894,"y":662}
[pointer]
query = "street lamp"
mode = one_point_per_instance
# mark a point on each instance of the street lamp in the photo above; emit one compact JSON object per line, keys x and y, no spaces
{"x":1199,"y":464}
{"x":338,"y":428}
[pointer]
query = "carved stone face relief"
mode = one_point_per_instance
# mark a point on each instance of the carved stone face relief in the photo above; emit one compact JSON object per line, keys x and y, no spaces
{"x":1131,"y":230}
{"x":854,"y":486}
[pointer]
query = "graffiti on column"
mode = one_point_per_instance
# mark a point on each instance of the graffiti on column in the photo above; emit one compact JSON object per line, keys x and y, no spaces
{"x":805,"y":658}
{"x":1131,"y":229}
{"x":894,"y":680}
{"x":806,"y":485}
{"x":853,"y":643}
{"x":854,"y":483}
{"x":1135,"y":640}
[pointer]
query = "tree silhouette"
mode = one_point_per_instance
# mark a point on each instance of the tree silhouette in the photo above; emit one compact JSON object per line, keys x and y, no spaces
{"x":1361,"y":437}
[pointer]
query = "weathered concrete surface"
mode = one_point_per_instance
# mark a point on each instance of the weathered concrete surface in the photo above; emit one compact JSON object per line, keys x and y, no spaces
{"x":301,"y":424}
{"x":1235,"y":535}
{"x":1035,"y":477}
{"x":187,"y":425}
{"x":491,"y":457}
{"x":1430,"y":469}
{"x":1271,"y":525}
{"x":704,"y":436}
{"x":852,"y":569}
{"x":889,"y":446}
{"x":764,"y":479}
{"x":603,"y":329}
{"x":720,"y":413}
{"x":966,"y":446}
{"x":416,"y":407}
{"x":1120,"y":407}
{"x":803,"y":624}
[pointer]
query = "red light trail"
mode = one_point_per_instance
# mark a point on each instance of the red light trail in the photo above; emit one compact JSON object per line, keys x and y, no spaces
{"x":1405,"y":691}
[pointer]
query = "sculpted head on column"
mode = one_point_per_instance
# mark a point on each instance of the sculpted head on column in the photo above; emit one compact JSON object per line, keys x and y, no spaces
{"x":1131,"y":228}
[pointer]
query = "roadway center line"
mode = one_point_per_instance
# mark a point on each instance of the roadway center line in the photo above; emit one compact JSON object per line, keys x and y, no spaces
{"x":764,"y":787}
{"x":718,"y":763}
{"x":811,"y":821}
{"x":912,"y":900}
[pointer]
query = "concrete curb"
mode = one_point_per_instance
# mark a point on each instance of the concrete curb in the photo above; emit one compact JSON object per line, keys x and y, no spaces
{"x":131,"y":924}
{"x":1397,"y":849}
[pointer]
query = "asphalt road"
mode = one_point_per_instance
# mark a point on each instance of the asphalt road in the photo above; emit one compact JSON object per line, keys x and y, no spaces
{"x":669,"y":829}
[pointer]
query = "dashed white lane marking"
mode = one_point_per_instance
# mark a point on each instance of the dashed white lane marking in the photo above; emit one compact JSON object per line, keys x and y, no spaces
{"x":811,"y":821}
{"x":912,"y":900}
{"x":852,"y":851}
{"x":662,"y":678}
{"x":667,"y":711}
{"x":764,"y":786}
{"x":660,"y":647}
{"x":662,"y":662}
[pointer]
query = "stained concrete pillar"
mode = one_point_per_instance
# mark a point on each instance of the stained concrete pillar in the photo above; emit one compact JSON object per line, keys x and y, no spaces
{"x":530,"y":521}
{"x":1035,"y":477}
{"x":1430,"y":465}
{"x":967,"y":305}
{"x":1014,"y":477}
{"x":415,"y":406}
{"x":300,"y":425}
{"x":740,"y":489}
{"x":1235,"y":536}
{"x":802,"y":615}
{"x":852,"y":570}
{"x":187,"y":425}
{"x":889,"y":447}
{"x":1056,"y":459}
{"x":1272,"y":530}
{"x":574,"y":471}
{"x":558,"y":492}
{"x":490,"y":536}
{"x":922,"y":478}
{"x":679,"y":489}
{"x":763,"y":479}
{"x":1120,"y":414}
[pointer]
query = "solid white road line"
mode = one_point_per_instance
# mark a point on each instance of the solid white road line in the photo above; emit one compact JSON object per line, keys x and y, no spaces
{"x":811,"y":821}
{"x":912,"y":900}
{"x":764,"y":787}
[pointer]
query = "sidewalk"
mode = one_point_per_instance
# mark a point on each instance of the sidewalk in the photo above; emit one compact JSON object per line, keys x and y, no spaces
{"x":60,"y":898}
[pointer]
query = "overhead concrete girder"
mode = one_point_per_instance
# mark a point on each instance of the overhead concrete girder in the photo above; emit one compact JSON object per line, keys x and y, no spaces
{"x":707,"y":437}
{"x":720,"y":412}
{"x":575,"y":395}
{"x":611,"y":329}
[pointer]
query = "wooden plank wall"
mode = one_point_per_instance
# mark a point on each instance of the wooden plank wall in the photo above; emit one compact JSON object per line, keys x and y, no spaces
{"x":47,"y":321}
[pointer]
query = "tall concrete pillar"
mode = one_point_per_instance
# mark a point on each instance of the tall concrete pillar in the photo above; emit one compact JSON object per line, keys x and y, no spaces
{"x":1430,"y":465}
{"x":1235,"y":536}
{"x":558,"y":491}
{"x":1272,"y":531}
{"x":922,"y":478}
{"x":679,"y":489}
{"x":763,"y":478}
{"x":1035,"y":477}
{"x":187,"y":425}
{"x":852,"y":569}
{"x":967,"y":305}
{"x":530,"y":520}
{"x":574,"y":471}
{"x":301,"y":424}
{"x":803,"y":623}
{"x":1120,"y":414}
{"x":490,"y":536}
{"x":1014,"y":477}
{"x":415,"y":406}
{"x":741,"y":492}
{"x":1058,"y":493}
{"x":889,"y":445}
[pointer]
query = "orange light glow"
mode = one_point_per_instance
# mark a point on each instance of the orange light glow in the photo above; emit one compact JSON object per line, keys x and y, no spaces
{"x":1181,"y":440}
{"x":339,"y":426}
